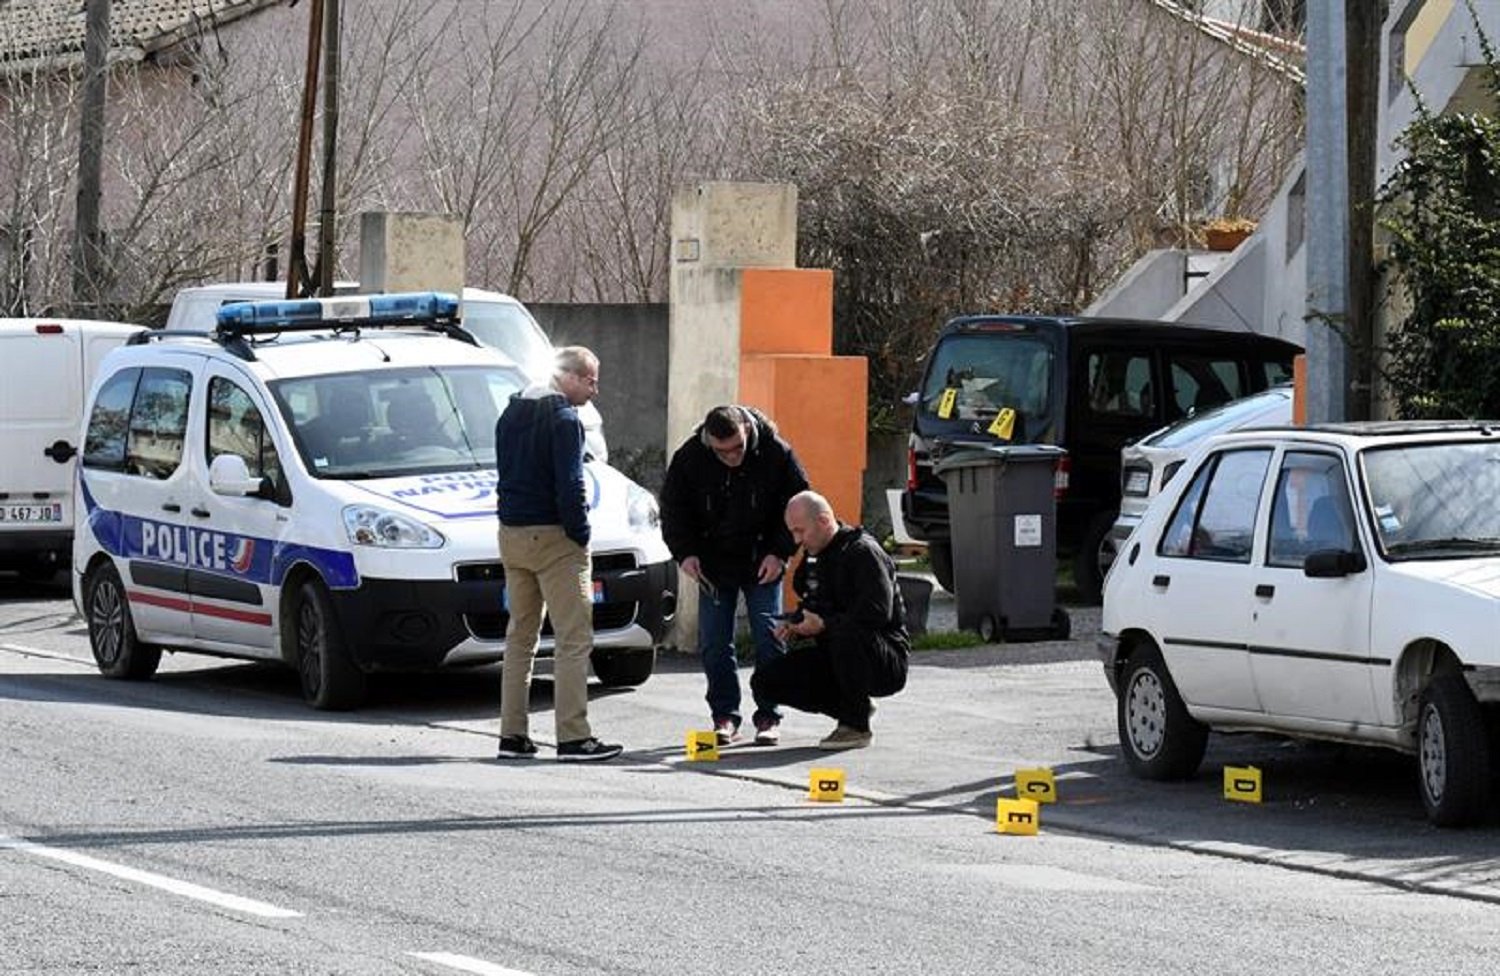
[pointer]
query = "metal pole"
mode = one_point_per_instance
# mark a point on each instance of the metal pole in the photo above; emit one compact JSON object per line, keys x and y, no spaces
{"x":327,"y":256}
{"x":297,"y":276}
{"x":1327,"y":212}
{"x":87,"y":263}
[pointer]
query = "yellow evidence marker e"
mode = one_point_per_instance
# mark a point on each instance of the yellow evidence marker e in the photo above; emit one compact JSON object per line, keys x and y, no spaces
{"x":1036,"y":784}
{"x":1004,"y":424}
{"x":1020,"y":816}
{"x":1242,"y":784}
{"x":702,"y":746}
{"x":826,"y":785}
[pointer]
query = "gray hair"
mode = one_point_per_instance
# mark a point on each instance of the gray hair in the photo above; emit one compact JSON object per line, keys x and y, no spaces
{"x":574,"y":359}
{"x":811,"y":503}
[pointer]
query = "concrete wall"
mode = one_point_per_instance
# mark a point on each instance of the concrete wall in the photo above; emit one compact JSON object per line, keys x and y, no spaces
{"x":631,"y":342}
{"x":1147,"y":289}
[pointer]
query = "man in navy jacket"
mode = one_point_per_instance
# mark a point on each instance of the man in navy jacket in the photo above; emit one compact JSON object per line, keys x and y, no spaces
{"x":544,"y":546}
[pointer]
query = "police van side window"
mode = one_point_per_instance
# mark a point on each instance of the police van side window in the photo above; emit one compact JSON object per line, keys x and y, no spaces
{"x":104,"y":442}
{"x":158,"y":423}
{"x":235,"y":427}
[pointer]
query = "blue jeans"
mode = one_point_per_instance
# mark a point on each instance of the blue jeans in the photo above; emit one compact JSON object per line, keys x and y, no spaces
{"x":716,"y":643}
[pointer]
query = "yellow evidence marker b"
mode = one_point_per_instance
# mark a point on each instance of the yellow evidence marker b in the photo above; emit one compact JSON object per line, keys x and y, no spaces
{"x":1021,"y":816}
{"x":702,"y":746}
{"x":826,"y":785}
{"x":1242,"y":783}
{"x":1036,"y":784}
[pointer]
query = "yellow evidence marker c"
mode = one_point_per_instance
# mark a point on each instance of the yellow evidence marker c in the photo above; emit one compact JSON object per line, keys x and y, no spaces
{"x":1036,"y":784}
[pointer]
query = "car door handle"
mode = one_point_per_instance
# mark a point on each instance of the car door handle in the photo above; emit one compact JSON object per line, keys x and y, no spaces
{"x":171,"y":507}
{"x":200,"y":512}
{"x":1161,"y":581}
{"x":1265,"y":590}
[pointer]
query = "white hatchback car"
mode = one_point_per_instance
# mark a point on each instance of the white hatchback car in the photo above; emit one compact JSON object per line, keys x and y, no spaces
{"x":1336,"y":582}
{"x":313,"y":482}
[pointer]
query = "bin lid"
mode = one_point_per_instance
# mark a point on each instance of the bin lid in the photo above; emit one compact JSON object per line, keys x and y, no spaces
{"x":1000,"y":454}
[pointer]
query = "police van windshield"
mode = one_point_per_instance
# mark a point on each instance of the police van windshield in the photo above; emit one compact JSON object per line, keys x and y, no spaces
{"x":974,"y":377}
{"x":396,"y":422}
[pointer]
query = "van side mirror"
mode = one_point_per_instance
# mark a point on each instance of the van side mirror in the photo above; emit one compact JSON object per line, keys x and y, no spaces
{"x":229,"y":475}
{"x":1333,"y":564}
{"x":911,"y":398}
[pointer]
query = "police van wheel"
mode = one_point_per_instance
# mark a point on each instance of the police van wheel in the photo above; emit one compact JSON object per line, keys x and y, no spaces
{"x":616,"y":668}
{"x":117,"y":650}
{"x":330,"y":681}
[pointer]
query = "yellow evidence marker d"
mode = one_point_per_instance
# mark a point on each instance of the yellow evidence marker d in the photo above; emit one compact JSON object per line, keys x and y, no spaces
{"x":826,"y":785}
{"x":702,"y":746}
{"x":1036,"y":784}
{"x":1242,"y":783}
{"x":1021,"y":816}
{"x":1004,"y":424}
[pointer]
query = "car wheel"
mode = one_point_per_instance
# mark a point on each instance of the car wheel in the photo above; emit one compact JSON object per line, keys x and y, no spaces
{"x":940,"y":556}
{"x":1159,"y":738}
{"x":330,"y":680}
{"x":1088,"y":575}
{"x":1452,"y":753}
{"x":616,"y":668}
{"x":117,"y":650}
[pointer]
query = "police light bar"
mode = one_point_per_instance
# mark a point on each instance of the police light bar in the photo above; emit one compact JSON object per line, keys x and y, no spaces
{"x":347,"y":311}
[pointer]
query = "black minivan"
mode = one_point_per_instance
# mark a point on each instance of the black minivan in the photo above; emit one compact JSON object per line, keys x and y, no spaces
{"x":1089,"y":386}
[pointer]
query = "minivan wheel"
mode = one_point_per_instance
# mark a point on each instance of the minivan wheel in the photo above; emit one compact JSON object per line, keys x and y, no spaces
{"x":1159,"y":738}
{"x":330,"y":680}
{"x":940,"y":557}
{"x":117,"y":650}
{"x":1088,"y":575}
{"x":1452,"y":753}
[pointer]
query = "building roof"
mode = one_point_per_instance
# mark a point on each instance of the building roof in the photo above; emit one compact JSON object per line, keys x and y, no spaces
{"x":47,"y":35}
{"x":1282,"y":55}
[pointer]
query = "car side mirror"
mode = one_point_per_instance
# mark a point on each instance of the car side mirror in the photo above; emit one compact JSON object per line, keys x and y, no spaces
{"x":229,"y":475}
{"x":1333,"y":563}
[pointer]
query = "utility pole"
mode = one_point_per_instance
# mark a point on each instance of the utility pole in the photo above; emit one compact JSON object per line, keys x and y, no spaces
{"x":87,"y":250}
{"x":1343,"y":51}
{"x":327,"y":215}
{"x":298,"y":277}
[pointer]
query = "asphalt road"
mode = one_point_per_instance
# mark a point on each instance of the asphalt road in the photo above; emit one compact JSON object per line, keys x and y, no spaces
{"x":208,"y":821}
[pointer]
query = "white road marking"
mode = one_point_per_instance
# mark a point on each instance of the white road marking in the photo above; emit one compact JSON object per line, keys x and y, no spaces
{"x":1041,"y":877}
{"x":184,"y":888}
{"x":50,"y":655}
{"x":467,"y":964}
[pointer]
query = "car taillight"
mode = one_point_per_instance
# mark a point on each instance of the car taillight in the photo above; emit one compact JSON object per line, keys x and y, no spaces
{"x":911,"y":468}
{"x":1060,"y":478}
{"x":1136,"y":481}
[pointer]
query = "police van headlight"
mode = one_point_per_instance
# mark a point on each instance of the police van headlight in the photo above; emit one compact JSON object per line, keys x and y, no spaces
{"x":641,"y":506}
{"x":371,"y":526}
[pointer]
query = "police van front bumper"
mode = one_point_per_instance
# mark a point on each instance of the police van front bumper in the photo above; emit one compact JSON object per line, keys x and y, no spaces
{"x":405,"y":625}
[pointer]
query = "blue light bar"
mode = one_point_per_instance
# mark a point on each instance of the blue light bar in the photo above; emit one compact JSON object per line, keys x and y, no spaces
{"x":338,"y":312}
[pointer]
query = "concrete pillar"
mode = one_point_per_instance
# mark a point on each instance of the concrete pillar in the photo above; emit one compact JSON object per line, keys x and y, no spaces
{"x":410,"y":252}
{"x":748,"y":326}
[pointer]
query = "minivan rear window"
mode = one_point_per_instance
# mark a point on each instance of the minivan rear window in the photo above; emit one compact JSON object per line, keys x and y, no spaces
{"x":988,"y":373}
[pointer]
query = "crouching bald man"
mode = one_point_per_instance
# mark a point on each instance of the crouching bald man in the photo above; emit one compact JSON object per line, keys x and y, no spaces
{"x":852,"y":611}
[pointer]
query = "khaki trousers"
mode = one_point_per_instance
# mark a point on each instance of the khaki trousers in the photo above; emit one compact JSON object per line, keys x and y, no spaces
{"x":545,"y":571}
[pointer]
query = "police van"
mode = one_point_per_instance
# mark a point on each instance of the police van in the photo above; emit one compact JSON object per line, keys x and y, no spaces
{"x":313,"y":482}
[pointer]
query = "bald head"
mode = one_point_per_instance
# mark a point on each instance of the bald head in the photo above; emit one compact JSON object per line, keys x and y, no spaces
{"x":811,"y":521}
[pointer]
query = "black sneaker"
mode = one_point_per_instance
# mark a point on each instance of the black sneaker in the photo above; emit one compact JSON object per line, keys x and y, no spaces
{"x":587,"y":750}
{"x":517,"y":747}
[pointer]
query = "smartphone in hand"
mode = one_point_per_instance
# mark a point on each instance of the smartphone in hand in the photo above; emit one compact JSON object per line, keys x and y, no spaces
{"x":791,"y":616}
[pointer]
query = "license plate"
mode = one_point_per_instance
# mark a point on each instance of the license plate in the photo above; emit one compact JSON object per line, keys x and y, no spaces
{"x":33,"y":513}
{"x":598,"y":595}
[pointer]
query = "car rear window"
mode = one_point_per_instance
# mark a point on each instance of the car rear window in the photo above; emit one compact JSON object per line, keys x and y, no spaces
{"x":974,"y":377}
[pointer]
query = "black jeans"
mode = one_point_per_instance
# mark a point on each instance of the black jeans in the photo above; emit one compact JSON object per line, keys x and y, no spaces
{"x":836,"y":677}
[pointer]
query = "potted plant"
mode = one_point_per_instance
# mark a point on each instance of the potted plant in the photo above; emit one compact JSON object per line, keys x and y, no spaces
{"x":1226,"y":233}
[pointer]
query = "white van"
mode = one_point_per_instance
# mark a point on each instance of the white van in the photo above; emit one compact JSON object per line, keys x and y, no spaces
{"x":46,"y":366}
{"x":313,"y":482}
{"x":494,"y":318}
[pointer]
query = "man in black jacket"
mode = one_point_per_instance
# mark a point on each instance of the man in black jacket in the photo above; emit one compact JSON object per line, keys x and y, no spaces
{"x":721,"y":511}
{"x":852,"y":610}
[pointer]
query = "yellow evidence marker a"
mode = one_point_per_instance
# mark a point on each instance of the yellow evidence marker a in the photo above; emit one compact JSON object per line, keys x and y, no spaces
{"x":1004,"y":424}
{"x":1242,"y":783}
{"x":946,"y":403}
{"x":702,"y":746}
{"x":1036,"y":784}
{"x":1021,"y":816}
{"x":826,"y":785}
